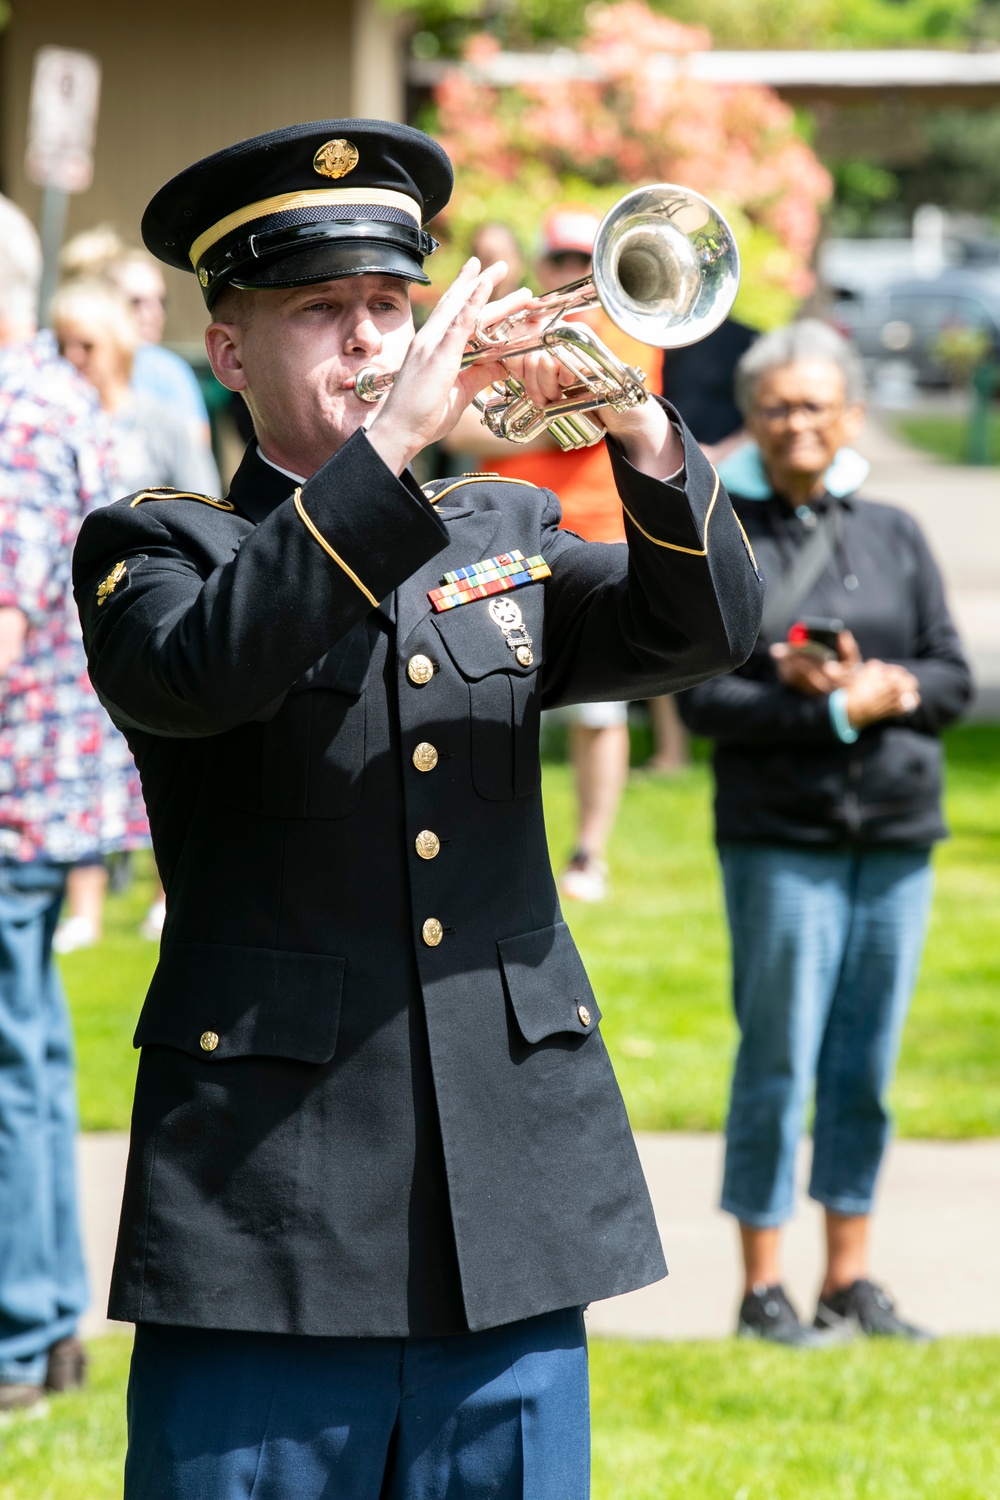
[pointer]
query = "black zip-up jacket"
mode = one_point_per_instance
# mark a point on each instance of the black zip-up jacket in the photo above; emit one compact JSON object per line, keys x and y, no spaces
{"x":782,"y":774}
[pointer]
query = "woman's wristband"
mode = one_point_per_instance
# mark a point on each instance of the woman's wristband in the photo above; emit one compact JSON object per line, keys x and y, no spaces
{"x":842,"y":726}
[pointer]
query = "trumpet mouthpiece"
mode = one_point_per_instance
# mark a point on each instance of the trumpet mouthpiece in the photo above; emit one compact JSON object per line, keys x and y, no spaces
{"x":370,"y":384}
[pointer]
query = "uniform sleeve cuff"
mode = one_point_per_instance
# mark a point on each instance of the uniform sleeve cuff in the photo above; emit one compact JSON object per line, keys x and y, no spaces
{"x":842,"y":726}
{"x":384,"y":536}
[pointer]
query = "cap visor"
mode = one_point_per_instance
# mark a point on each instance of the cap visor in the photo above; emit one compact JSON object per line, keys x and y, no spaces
{"x":331,"y":261}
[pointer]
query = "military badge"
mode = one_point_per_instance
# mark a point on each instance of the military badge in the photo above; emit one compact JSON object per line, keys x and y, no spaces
{"x":507,"y":614}
{"x":335,"y":159}
{"x":108,"y":586}
{"x":494,"y":575}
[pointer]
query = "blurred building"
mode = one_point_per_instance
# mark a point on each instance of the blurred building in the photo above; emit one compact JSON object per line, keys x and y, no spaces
{"x":184,"y":79}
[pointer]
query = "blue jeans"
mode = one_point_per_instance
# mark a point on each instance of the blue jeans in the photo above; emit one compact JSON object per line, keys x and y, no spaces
{"x":826,"y":949}
{"x":42,"y":1280}
{"x":502,"y":1414}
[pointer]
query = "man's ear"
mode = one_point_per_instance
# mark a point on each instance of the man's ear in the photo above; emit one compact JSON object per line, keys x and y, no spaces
{"x":223,"y":343}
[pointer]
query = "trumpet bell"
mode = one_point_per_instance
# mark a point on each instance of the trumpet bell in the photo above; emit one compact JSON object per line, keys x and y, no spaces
{"x":665,"y":266}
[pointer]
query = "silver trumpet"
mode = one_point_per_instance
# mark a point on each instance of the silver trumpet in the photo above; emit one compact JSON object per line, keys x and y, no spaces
{"x":665,"y":269}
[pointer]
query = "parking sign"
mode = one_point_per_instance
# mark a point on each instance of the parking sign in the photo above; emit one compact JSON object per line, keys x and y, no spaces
{"x":65,"y":91}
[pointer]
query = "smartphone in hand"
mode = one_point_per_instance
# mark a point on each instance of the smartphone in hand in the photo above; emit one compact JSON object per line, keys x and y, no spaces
{"x":816,"y":637}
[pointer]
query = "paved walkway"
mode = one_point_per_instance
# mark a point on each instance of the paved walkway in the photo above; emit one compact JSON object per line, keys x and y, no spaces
{"x":959,"y":509}
{"x":937,"y":1233}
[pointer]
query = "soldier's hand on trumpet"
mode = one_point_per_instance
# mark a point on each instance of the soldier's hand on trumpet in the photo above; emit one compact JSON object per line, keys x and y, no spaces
{"x":432,"y":389}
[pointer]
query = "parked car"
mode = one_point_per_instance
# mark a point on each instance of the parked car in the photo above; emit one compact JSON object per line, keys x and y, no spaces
{"x":905,"y":320}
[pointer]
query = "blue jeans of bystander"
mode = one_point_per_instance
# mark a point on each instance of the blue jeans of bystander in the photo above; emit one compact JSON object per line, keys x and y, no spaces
{"x":826,"y":949}
{"x":42,"y":1279}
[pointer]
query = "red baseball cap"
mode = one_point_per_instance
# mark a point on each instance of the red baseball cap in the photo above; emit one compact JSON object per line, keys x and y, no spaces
{"x":569,"y":226}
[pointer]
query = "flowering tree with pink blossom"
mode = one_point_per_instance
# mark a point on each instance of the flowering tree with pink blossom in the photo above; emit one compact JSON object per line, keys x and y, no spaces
{"x":519,"y":149}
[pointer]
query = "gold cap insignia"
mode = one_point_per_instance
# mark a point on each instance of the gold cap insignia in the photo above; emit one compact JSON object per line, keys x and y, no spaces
{"x":110,"y":583}
{"x":336,"y":159}
{"x":203,"y":276}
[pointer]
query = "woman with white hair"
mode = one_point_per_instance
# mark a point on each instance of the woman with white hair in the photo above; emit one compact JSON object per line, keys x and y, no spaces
{"x":153,"y":444}
{"x":828,"y":801}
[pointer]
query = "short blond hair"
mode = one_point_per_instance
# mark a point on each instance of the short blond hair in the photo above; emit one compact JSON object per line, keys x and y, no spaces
{"x":88,"y":255}
{"x":95,"y":304}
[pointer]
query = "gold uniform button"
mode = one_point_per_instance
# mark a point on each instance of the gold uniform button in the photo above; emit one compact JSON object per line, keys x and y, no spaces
{"x":524,"y":656}
{"x":584,"y":1015}
{"x":208,"y":1041}
{"x":425,"y":757}
{"x":432,"y":932}
{"x":419,"y":669}
{"x":427,"y":844}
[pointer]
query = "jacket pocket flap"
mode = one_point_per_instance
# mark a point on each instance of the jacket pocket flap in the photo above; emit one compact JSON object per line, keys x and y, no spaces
{"x":478,"y":646}
{"x":218,"y":1002}
{"x":547,"y":984}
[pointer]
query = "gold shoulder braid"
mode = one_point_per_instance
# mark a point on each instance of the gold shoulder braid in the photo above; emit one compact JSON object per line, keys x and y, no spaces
{"x":456,"y":484}
{"x":168,"y":494}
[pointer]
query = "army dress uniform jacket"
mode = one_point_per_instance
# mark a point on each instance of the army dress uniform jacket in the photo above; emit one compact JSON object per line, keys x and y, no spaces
{"x":373,"y":1097}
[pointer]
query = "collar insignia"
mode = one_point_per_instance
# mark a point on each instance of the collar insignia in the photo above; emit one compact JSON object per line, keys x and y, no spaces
{"x":114,"y":578}
{"x":494,"y":575}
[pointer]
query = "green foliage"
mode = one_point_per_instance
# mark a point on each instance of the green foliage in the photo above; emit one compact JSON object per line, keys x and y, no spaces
{"x":960,"y":165}
{"x":518,"y":26}
{"x":859,"y":188}
{"x":728,"y":1421}
{"x":960,"y":349}
{"x":657,"y":951}
{"x":830,"y":23}
{"x":444,"y":25}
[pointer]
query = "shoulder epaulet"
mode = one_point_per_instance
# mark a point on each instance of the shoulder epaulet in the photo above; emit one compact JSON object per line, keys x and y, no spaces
{"x":165,"y":493}
{"x":434,"y":495}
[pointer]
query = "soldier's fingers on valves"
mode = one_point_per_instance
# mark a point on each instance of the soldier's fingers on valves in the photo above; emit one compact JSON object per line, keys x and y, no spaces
{"x":543,"y":376}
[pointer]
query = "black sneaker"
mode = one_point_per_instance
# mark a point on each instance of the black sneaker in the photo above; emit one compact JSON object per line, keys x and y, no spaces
{"x":766,"y":1313}
{"x":870,"y":1310}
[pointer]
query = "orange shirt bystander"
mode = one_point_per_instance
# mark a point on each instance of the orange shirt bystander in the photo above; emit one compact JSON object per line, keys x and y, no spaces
{"x":582,"y":477}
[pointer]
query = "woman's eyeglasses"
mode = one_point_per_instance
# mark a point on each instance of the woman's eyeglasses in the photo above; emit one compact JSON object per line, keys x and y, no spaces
{"x":815,"y":412}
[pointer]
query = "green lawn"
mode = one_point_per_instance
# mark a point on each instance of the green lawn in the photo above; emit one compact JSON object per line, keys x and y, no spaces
{"x":657,"y":952}
{"x":945,"y":436}
{"x":727,"y":1421}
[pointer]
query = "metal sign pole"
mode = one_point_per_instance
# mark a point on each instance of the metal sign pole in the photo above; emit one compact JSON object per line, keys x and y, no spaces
{"x":54,"y":205}
{"x":65,"y":93}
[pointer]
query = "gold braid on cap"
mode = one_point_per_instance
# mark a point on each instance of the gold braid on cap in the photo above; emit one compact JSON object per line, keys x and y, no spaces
{"x":309,"y":198}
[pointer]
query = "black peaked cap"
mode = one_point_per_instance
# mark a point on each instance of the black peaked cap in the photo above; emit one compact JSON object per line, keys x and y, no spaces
{"x":308,"y":203}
